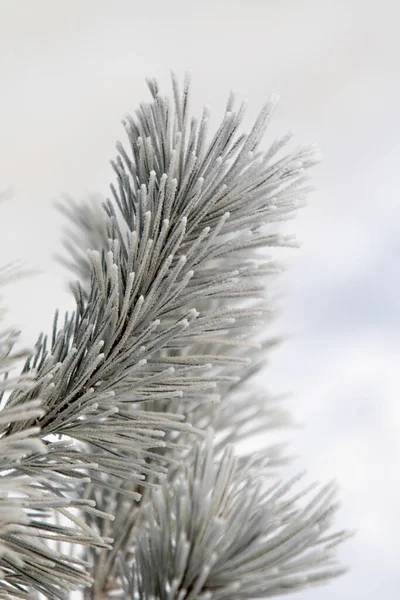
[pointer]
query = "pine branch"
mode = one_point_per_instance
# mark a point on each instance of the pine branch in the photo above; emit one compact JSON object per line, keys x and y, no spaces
{"x":163,"y":330}
{"x":174,"y":194}
{"x":216,"y":530}
{"x":143,"y":291}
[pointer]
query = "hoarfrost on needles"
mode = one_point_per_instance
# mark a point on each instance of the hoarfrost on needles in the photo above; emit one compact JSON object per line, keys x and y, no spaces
{"x":117,"y":440}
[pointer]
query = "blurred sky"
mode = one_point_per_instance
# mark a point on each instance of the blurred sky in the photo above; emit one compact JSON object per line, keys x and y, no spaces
{"x":70,"y":70}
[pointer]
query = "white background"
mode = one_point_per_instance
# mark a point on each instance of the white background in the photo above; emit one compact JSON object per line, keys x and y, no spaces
{"x":70,"y":70}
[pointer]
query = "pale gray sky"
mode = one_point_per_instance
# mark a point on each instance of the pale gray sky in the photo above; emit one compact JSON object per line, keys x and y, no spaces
{"x":70,"y":70}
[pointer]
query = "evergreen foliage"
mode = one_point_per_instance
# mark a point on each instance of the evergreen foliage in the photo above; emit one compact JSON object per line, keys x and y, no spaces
{"x":118,"y":466}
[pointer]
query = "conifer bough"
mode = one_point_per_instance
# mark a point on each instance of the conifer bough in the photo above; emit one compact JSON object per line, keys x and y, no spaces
{"x":118,"y":473}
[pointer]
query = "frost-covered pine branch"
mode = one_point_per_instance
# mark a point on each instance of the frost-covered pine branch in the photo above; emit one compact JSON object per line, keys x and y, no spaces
{"x":160,"y":350}
{"x":214,"y":531}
